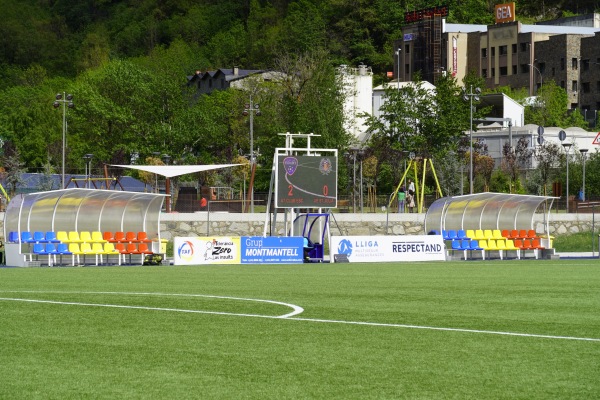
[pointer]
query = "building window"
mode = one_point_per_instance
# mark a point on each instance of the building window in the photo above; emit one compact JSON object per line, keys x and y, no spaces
{"x":523,"y":46}
{"x":493,"y":73}
{"x":542,"y":67}
{"x":407,"y":49}
{"x":483,"y":53}
{"x":503,"y":50}
{"x":484,"y":73}
{"x":514,"y":70}
{"x":585,"y":87}
{"x":585,"y":65}
{"x":493,"y":51}
{"x":574,"y":63}
{"x":503,"y":71}
{"x":562,"y":64}
{"x":574,"y":86}
{"x":598,"y":86}
{"x":562,"y":84}
{"x":407,"y":69}
{"x":514,"y":48}
{"x":524,"y":68}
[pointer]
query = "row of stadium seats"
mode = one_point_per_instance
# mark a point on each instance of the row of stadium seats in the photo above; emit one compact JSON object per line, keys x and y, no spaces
{"x":96,"y":249}
{"x":480,"y":234}
{"x":501,"y":246}
{"x":78,"y":237}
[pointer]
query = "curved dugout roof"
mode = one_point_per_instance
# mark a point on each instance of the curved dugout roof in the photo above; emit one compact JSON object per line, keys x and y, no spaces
{"x":85,"y":210}
{"x":487,"y":211}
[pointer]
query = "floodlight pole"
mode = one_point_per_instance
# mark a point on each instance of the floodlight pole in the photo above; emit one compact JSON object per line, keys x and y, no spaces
{"x":67,"y":101}
{"x":251,"y":109}
{"x":469,"y":97}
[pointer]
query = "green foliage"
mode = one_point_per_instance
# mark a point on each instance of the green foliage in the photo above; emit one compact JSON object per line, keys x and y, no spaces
{"x":552,"y":109}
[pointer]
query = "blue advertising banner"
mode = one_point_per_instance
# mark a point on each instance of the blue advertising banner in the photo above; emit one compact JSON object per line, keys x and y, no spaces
{"x":272,"y":250}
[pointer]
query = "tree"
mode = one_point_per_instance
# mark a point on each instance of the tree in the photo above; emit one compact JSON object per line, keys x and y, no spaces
{"x":552,"y":109}
{"x":548,"y":157}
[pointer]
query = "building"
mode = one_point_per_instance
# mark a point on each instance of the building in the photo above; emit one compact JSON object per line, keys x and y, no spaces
{"x":225,"y":78}
{"x":507,"y":53}
{"x":357,"y":84}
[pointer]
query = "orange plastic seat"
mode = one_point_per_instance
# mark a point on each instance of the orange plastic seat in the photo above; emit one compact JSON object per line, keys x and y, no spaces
{"x":119,"y":237}
{"x":130,"y":237}
{"x":108,"y":236}
{"x":142,"y":237}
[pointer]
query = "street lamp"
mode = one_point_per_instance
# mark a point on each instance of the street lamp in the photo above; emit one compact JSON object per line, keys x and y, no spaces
{"x":541,"y":79}
{"x":251,"y":109}
{"x":88,"y":168}
{"x":567,"y":147}
{"x":398,"y":77}
{"x":469,"y":97}
{"x":67,"y":101}
{"x":584,"y":156}
{"x":166,"y":158}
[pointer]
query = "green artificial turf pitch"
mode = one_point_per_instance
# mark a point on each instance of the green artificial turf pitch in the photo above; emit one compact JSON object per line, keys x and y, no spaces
{"x":462,"y":330}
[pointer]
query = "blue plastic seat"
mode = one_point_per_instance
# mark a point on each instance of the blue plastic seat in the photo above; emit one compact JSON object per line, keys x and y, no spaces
{"x":451,"y":234}
{"x":13,"y":237}
{"x":26,"y":237}
{"x":51,"y":237}
{"x":39,"y":237}
{"x":461,"y":234}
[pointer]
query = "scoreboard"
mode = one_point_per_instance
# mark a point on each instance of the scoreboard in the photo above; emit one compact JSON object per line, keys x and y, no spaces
{"x":306,"y":182}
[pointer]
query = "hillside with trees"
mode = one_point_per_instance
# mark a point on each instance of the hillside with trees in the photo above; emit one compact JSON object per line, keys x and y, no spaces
{"x":127,"y":63}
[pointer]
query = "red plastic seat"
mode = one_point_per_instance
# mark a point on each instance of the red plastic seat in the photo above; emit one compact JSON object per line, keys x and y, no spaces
{"x":108,"y":236}
{"x":119,"y":237}
{"x":142,"y":237}
{"x":130,"y":237}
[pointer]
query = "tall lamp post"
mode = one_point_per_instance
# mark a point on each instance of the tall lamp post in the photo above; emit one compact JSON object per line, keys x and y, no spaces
{"x":398,"y":77}
{"x":166,"y":159}
{"x":567,"y":147}
{"x":584,"y":156}
{"x":469,"y":97}
{"x":88,"y":169}
{"x":67,"y":101}
{"x":251,"y":109}
{"x":541,"y":78}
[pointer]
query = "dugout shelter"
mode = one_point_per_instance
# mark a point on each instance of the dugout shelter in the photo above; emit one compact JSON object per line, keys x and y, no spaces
{"x":488,"y":211}
{"x":80,"y":210}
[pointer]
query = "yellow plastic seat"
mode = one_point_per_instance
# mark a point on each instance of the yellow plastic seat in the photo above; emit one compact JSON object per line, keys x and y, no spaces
{"x":479,"y":235}
{"x":74,"y":237}
{"x":471,"y":234}
{"x":510,"y":245}
{"x":109,"y":249}
{"x":97,"y":237}
{"x":497,"y":234}
{"x":85,"y":236}
{"x":487,"y":233}
{"x":62,"y":236}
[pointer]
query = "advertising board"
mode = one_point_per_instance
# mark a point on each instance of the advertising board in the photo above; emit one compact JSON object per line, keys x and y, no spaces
{"x":238,"y":250}
{"x":389,"y":248}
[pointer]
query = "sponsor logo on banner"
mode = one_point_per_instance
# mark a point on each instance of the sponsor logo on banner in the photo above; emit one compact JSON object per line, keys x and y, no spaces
{"x":206,"y":250}
{"x":185,"y":250}
{"x":389,"y":248}
{"x":272,"y":250}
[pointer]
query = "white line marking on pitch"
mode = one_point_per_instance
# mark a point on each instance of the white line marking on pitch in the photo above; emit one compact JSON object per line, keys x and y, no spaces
{"x":297,"y":310}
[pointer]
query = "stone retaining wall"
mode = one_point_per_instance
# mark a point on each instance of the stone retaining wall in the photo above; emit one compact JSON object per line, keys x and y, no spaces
{"x":229,"y":224}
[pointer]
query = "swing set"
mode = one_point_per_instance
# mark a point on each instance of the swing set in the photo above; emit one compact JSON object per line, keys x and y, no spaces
{"x":420,"y":191}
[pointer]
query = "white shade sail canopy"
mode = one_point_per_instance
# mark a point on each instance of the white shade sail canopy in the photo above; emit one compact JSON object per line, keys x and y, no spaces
{"x":169,"y":171}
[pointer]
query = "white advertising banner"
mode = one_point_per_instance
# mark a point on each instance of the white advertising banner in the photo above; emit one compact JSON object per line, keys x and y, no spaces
{"x":389,"y":248}
{"x":206,"y":250}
